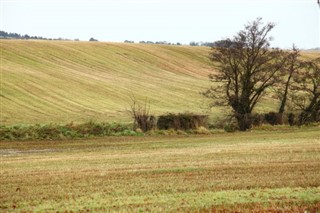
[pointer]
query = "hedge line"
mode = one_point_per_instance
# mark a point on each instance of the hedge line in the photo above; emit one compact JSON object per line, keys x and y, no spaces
{"x":68,"y":131}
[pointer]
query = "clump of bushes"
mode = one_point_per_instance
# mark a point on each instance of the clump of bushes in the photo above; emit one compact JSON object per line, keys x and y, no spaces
{"x":274,"y":118}
{"x":257,"y":119}
{"x":68,"y":131}
{"x":228,"y":124}
{"x":182,"y":121}
{"x":308,"y":117}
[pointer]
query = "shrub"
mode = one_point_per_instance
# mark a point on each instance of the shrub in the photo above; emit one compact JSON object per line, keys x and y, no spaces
{"x":181,"y":132}
{"x":138,"y":130}
{"x":202,"y":131}
{"x":257,"y":119}
{"x":230,"y":127}
{"x":307,"y":117}
{"x":274,"y":118}
{"x":182,"y":121}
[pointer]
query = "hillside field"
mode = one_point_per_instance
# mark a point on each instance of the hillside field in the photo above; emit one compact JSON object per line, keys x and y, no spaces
{"x":266,"y":171}
{"x":65,"y":81}
{"x":59,"y":81}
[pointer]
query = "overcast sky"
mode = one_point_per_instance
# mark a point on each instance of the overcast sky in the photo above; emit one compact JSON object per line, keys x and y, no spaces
{"x":162,"y":20}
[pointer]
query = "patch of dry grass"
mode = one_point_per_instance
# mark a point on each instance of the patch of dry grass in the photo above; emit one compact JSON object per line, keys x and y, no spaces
{"x":260,"y":170}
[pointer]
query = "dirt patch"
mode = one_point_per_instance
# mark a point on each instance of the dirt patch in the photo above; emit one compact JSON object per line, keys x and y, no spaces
{"x":16,"y":152}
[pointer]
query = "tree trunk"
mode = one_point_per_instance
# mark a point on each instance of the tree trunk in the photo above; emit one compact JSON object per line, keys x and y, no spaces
{"x":244,"y":121}
{"x":285,"y":94}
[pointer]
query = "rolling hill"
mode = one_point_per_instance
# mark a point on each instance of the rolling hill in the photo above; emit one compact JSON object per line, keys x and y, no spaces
{"x":65,"y":81}
{"x":59,"y":81}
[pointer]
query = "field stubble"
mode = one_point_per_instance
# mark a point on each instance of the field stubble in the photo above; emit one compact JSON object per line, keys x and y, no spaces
{"x":260,"y":170}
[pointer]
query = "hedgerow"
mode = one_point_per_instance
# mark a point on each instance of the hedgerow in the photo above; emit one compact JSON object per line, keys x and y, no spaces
{"x":68,"y":131}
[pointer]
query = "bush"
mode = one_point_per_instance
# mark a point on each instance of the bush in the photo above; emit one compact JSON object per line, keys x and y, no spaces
{"x":182,"y":121}
{"x":257,"y":119}
{"x":307,"y":117}
{"x":202,"y":131}
{"x":230,"y":127}
{"x":274,"y":118}
{"x":181,"y":132}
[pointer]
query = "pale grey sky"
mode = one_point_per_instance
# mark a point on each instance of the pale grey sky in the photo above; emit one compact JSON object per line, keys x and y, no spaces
{"x":162,"y":20}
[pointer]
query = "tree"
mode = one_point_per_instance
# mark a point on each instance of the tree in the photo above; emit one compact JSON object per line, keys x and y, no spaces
{"x":93,"y":39}
{"x":245,"y":67}
{"x":221,"y":43}
{"x":193,"y":43}
{"x":306,"y":91}
{"x":293,"y":64}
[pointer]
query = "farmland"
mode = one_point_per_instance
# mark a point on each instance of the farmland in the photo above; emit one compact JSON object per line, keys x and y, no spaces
{"x":61,"y":82}
{"x":257,"y":170}
{"x":56,"y":81}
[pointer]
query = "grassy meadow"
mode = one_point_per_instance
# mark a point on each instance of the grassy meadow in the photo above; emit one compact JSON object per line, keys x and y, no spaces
{"x":258,"y":171}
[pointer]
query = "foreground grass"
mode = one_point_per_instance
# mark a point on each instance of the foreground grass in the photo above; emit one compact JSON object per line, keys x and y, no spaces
{"x":260,"y":170}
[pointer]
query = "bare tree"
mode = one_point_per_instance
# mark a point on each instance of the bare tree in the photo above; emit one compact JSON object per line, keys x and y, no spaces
{"x":306,"y":95}
{"x":293,"y":64}
{"x":140,"y":112}
{"x":245,"y":67}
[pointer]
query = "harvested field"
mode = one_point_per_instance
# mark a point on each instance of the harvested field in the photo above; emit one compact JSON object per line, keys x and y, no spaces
{"x":258,"y":170}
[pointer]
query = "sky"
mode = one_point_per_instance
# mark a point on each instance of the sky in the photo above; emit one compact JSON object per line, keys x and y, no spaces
{"x":297,"y":21}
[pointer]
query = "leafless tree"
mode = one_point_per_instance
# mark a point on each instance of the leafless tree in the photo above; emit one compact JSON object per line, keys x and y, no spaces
{"x":292,"y":65}
{"x":245,"y":67}
{"x":306,"y":91}
{"x":140,"y":112}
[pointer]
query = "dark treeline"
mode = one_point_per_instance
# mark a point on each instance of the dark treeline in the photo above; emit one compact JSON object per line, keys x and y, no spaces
{"x":6,"y":35}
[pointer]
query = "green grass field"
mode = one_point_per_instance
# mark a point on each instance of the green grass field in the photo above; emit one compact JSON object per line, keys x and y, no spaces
{"x":274,"y":171}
